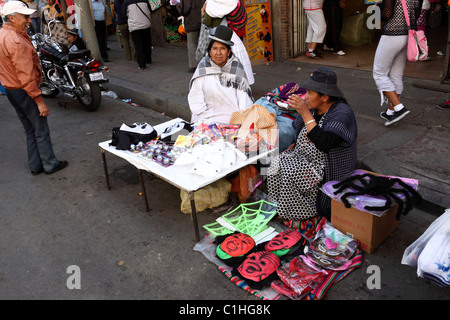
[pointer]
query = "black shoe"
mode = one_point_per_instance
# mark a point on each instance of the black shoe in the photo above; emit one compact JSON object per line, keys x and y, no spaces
{"x":385,"y":116}
{"x":61,"y":165}
{"x":35,"y":173}
{"x":106,"y":60}
{"x":397,"y":116}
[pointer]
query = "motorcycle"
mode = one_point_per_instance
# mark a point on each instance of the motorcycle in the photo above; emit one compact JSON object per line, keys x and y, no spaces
{"x":74,"y":73}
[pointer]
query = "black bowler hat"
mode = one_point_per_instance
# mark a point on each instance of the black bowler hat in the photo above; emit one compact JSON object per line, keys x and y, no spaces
{"x":223,"y":34}
{"x":323,"y":80}
{"x":73,"y":32}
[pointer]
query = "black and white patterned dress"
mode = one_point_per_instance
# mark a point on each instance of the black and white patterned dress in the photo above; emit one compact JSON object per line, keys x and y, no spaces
{"x":294,"y":177}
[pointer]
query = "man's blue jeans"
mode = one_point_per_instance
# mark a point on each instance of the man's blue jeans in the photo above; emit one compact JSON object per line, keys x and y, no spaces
{"x":39,"y":143}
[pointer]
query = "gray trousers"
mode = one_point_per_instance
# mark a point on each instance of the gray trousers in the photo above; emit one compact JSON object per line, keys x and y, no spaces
{"x":192,"y":42}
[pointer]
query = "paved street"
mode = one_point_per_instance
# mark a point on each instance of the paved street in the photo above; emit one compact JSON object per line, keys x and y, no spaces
{"x":49,"y":223}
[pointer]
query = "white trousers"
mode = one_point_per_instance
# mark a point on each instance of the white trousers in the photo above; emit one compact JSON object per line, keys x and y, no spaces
{"x":317,"y":27}
{"x":389,"y":63}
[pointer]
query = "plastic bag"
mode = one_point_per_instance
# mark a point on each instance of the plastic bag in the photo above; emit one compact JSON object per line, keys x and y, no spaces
{"x":208,"y":197}
{"x":331,"y":249}
{"x":246,"y":182}
{"x":431,"y":252}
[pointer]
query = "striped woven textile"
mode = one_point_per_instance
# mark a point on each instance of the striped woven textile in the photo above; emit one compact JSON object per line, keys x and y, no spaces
{"x":237,"y":19}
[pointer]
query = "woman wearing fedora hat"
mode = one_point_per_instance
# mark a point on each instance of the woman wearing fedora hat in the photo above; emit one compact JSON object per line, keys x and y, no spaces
{"x":219,"y":85}
{"x":324,"y":150}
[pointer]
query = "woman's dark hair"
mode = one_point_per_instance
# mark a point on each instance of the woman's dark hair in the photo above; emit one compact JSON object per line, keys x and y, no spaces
{"x":333,"y":99}
{"x":212,"y":42}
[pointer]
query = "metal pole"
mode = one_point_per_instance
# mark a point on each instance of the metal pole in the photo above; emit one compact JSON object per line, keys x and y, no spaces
{"x":86,"y":24}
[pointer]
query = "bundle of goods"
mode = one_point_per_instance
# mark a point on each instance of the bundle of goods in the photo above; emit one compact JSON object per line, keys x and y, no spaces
{"x":374,"y":193}
{"x":157,"y":151}
{"x":329,"y":254}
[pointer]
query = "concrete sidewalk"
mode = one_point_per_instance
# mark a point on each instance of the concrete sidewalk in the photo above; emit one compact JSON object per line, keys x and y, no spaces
{"x":416,"y":147}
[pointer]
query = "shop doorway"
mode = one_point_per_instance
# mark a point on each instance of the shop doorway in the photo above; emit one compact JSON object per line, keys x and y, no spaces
{"x":361,"y":57}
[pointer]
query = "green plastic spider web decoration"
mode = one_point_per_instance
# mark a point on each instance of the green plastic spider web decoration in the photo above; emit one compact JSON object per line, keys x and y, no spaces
{"x":248,"y":218}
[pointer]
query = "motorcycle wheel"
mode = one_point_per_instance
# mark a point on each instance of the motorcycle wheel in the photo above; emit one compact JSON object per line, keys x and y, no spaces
{"x":90,"y":95}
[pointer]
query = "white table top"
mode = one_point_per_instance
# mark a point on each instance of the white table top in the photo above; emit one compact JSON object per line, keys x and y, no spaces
{"x":177,"y":175}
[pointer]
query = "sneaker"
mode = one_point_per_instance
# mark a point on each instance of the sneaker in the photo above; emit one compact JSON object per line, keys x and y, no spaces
{"x":440,"y":53}
{"x":318,"y":53}
{"x":340,"y":53}
{"x":445,"y":105}
{"x":385,"y":116}
{"x":142,"y":68}
{"x":397,"y":116}
{"x":61,"y":165}
{"x":327,"y":48}
{"x":313,"y":55}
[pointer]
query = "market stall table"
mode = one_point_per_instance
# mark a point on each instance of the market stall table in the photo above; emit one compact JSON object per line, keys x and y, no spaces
{"x":175,"y":175}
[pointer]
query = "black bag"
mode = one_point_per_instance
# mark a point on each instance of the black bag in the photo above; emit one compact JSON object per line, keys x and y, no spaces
{"x":123,"y":139}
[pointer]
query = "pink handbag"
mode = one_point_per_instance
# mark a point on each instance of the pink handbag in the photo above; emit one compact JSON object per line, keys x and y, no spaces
{"x":417,"y":42}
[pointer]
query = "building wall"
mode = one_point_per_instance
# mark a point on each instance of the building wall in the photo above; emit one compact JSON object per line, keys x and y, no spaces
{"x":281,"y":29}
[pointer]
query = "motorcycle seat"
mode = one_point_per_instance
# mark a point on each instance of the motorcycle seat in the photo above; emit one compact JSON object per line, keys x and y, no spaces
{"x":79,"y":54}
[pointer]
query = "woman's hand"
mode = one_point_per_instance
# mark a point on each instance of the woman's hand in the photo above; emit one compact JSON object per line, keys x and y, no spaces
{"x":300,"y":105}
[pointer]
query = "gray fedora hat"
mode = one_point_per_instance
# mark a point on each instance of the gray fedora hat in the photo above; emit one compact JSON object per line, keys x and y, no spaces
{"x":223,"y":34}
{"x":323,"y":80}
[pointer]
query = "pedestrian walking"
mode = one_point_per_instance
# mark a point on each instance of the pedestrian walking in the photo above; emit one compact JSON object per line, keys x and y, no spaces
{"x":317,"y":27}
{"x":20,"y":73}
{"x":139,"y":24}
{"x":390,"y":56}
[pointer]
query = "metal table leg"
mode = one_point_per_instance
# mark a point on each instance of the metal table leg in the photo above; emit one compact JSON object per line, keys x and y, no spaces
{"x":144,"y":193}
{"x":194,"y":215}
{"x":105,"y":168}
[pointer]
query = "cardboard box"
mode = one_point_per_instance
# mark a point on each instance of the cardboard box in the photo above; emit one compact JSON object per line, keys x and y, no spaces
{"x":369,"y":229}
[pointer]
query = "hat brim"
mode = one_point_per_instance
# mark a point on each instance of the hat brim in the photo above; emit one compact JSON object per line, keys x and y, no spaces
{"x":329,"y":90}
{"x":25,"y":11}
{"x":230,"y":43}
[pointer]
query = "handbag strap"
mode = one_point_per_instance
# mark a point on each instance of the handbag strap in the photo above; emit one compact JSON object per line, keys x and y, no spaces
{"x":405,"y":10}
{"x":144,"y":12}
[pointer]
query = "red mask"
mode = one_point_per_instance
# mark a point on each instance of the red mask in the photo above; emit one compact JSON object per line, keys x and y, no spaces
{"x":259,"y":265}
{"x":237,"y":244}
{"x":284,"y":240}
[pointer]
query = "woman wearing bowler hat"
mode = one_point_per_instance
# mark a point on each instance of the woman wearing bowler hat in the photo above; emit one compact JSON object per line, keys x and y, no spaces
{"x":324,"y":150}
{"x":219,"y":85}
{"x":76,"y":43}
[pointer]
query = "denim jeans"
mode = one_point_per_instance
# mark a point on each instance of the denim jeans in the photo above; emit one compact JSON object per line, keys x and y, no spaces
{"x":39,"y":143}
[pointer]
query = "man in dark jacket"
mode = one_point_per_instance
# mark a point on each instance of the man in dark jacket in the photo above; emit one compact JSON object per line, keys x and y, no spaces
{"x":191,"y":11}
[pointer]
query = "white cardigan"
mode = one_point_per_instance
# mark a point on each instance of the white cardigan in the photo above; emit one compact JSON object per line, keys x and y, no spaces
{"x":208,"y":99}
